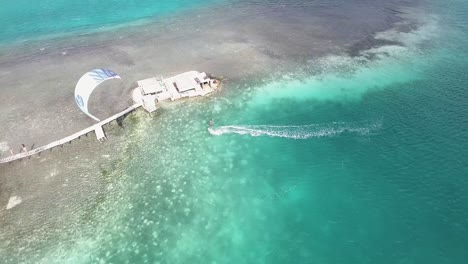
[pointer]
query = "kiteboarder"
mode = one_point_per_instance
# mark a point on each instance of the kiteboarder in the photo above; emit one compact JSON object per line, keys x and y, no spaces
{"x":211,"y":122}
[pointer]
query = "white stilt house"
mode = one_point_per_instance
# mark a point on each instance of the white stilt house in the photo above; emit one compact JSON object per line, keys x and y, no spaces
{"x":149,"y":88}
{"x":189,"y":84}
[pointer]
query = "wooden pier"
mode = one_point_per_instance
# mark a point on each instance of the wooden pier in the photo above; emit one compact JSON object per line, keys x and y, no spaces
{"x":97,"y":128}
{"x":149,"y":92}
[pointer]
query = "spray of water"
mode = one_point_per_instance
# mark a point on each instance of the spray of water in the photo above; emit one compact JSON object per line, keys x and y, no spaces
{"x":300,"y":132}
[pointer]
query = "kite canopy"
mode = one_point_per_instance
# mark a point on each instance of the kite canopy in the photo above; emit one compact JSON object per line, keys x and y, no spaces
{"x":86,"y":85}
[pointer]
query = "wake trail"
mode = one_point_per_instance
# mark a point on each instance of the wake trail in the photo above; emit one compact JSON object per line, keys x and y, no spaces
{"x":300,"y":132}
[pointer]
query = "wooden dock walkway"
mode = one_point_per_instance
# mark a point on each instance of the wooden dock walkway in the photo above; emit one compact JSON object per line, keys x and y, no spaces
{"x":97,"y":128}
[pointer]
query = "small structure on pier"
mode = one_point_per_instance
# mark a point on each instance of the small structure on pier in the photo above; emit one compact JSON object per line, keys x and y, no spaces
{"x":189,"y":84}
{"x":150,"y":89}
{"x":101,"y":136}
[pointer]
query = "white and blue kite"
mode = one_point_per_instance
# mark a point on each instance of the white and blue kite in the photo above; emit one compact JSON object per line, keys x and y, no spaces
{"x":86,"y":85}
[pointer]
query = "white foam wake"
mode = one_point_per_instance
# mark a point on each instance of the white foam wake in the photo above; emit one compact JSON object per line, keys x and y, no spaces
{"x":299,"y":132}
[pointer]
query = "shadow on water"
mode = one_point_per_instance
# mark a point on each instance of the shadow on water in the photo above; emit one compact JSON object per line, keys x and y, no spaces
{"x":120,"y":121}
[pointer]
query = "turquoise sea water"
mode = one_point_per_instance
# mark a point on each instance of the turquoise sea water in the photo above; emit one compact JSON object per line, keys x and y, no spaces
{"x":362,"y":163}
{"x":25,"y":21}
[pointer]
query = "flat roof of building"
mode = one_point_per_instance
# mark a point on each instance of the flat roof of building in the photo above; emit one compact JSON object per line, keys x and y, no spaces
{"x":151,"y":85}
{"x":189,"y":80}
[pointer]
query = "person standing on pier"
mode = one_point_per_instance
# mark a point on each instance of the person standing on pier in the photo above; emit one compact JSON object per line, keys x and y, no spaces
{"x":24,"y":148}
